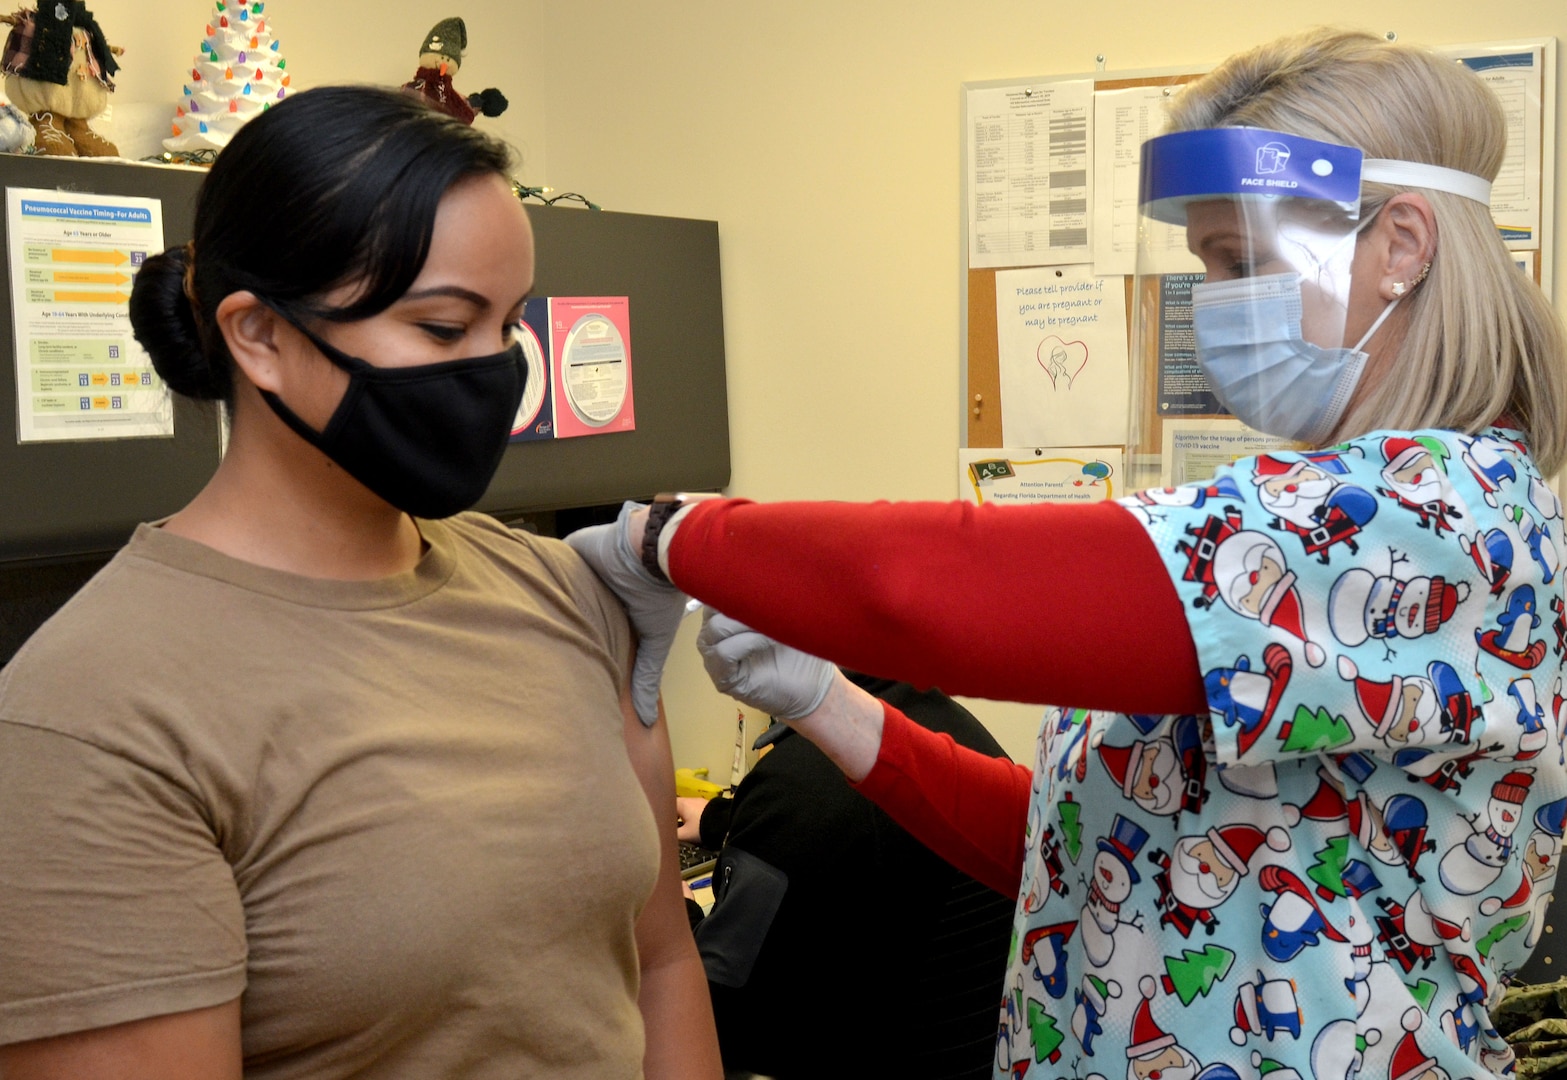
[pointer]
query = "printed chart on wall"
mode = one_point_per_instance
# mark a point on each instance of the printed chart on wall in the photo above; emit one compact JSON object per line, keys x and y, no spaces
{"x":80,"y":375}
{"x":1516,"y":75}
{"x":590,"y":342}
{"x":1030,"y":174}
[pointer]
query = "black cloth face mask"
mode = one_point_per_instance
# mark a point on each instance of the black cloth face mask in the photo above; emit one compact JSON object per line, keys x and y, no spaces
{"x":426,"y":438}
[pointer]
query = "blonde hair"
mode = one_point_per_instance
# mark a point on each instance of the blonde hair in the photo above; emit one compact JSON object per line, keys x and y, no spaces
{"x":1482,"y":340}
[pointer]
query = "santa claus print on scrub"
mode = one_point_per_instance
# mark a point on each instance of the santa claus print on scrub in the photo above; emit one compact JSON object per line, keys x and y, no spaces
{"x":1416,"y":478}
{"x":1163,"y":775}
{"x":1305,"y":498}
{"x":1246,"y":570}
{"x":1342,"y":836}
{"x":1429,"y":709}
{"x":1152,"y":1053}
{"x":1204,"y":870}
{"x":1410,"y":1061}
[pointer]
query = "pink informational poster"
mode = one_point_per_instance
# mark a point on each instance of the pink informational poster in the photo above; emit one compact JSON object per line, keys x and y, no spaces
{"x":590,"y":338}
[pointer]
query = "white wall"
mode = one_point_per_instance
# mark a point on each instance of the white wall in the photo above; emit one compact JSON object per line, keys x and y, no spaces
{"x":824,"y":138}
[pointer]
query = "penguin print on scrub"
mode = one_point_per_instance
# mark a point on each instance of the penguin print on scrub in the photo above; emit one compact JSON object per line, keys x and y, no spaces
{"x":1294,"y":921}
{"x":1533,"y":736}
{"x":1511,"y":639}
{"x":1537,"y":538}
{"x":1472,"y":865}
{"x":1266,"y":1007}
{"x":1460,"y":1023}
{"x":1113,"y":875}
{"x":1092,"y":1002}
{"x":1044,"y":950}
{"x":1489,"y":463}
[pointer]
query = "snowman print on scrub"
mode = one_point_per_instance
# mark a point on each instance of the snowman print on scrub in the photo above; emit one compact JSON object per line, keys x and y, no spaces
{"x":1113,"y":874}
{"x":1363,"y":605}
{"x":1472,"y":865}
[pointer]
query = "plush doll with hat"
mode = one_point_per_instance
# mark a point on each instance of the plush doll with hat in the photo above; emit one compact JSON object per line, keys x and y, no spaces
{"x":60,"y":68}
{"x":440,"y":58}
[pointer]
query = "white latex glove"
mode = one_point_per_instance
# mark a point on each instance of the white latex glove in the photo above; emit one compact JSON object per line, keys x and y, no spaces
{"x":752,"y":668}
{"x":655,"y":608}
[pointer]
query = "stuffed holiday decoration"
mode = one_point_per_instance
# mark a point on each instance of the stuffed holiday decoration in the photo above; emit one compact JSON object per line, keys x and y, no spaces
{"x":440,"y":58}
{"x":238,"y":76}
{"x":16,"y":134}
{"x":60,"y":69}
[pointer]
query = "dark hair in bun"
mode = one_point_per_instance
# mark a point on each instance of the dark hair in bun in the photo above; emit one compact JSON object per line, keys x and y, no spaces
{"x":165,"y":324}
{"x":334,"y":186}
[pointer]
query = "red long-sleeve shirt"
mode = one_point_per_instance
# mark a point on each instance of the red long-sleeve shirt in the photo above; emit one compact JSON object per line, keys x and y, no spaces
{"x":1040,"y":603}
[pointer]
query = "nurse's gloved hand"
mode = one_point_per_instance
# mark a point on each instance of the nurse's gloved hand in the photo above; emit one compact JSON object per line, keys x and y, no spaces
{"x":754,"y":669}
{"x":655,"y":607}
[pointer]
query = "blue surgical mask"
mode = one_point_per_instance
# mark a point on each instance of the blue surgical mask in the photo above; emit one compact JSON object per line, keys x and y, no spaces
{"x":1249,"y":344}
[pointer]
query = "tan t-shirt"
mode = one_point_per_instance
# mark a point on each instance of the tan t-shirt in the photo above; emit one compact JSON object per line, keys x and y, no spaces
{"x":398,"y":814}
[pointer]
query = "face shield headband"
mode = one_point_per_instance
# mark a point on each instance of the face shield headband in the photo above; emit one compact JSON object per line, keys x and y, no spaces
{"x":1257,"y":164}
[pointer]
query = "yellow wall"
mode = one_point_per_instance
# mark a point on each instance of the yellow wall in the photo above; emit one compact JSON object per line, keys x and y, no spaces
{"x":824,"y":138}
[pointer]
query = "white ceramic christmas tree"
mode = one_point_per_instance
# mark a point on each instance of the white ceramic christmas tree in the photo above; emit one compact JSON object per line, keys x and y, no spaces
{"x":238,"y":76}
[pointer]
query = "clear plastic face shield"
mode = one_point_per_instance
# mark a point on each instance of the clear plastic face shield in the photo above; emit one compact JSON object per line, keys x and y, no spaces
{"x":1245,"y":294}
{"x":1246,"y":250}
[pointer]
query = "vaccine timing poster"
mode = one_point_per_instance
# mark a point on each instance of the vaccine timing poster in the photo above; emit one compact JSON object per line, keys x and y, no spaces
{"x":80,"y":375}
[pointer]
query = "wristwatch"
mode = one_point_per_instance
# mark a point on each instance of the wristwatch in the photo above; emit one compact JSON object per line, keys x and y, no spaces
{"x":658,"y":515}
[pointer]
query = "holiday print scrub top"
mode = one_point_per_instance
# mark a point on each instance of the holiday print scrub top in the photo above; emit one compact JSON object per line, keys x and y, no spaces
{"x":1330,"y":874}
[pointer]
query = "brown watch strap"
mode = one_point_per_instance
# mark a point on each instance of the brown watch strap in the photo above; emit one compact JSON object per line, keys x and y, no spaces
{"x":658,"y":515}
